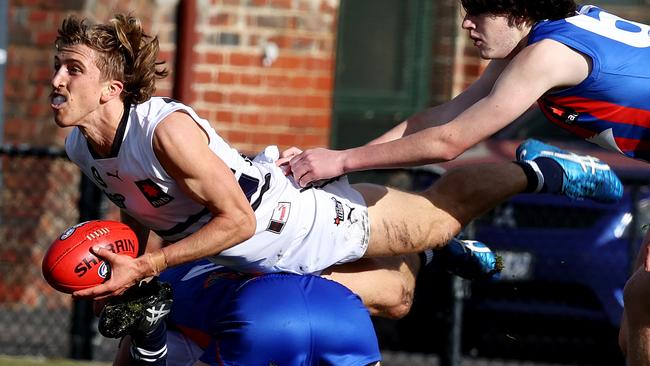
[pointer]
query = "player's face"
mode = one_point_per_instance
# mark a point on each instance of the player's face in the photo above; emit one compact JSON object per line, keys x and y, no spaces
{"x":494,"y":36}
{"x":77,"y":86}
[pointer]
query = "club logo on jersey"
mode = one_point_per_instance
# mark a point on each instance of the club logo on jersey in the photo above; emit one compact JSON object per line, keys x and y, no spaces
{"x":340,"y":214}
{"x":279,"y":217}
{"x":153,"y":193}
{"x":561,"y":113}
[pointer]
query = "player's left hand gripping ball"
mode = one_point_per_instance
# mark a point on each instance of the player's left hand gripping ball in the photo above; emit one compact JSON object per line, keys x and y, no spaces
{"x":69,"y":265}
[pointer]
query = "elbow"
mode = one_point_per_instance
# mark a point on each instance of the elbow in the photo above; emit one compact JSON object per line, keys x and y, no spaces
{"x":246,"y":225}
{"x":450,"y":148}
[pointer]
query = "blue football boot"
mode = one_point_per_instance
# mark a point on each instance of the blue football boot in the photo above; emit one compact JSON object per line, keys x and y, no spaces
{"x":469,"y":259}
{"x":584,"y":176}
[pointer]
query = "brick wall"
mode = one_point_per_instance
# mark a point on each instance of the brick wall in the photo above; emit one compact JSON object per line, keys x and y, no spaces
{"x":287,"y":102}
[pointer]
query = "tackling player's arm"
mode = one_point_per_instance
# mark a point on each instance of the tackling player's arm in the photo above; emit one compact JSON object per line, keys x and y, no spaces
{"x":446,"y":112}
{"x":181,"y":146}
{"x":424,"y":139}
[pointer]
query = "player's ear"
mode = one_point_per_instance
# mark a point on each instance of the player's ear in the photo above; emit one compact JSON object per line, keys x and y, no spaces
{"x":112,"y":89}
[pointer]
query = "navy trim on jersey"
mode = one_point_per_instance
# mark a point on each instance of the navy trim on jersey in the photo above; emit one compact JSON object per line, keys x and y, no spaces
{"x":263,"y":189}
{"x":119,"y":136}
{"x":180,"y":227}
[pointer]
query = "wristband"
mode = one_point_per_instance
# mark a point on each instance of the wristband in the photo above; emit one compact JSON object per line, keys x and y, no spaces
{"x":158,"y":261}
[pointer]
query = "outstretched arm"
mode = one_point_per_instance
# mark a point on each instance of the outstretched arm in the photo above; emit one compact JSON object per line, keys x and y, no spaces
{"x":442,"y":133}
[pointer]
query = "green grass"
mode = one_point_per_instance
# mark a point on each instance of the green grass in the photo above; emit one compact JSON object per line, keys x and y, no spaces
{"x":36,"y":361}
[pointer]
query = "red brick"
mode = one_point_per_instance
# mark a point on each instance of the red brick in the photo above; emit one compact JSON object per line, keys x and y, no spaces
{"x":240,"y":99}
{"x":38,"y":16}
{"x":301,"y":82}
{"x":226,"y":78}
{"x":250,"y":79}
{"x":321,"y":121}
{"x":242,"y":59}
{"x":15,"y":72}
{"x":324,"y":83}
{"x":45,"y":38}
{"x":318,"y":64}
{"x":276,"y":81}
{"x":258,"y":3}
{"x":250,"y":118}
{"x":221,"y":19}
{"x":285,"y":139}
{"x":235,"y":137}
{"x":284,"y":4}
{"x":471,"y":69}
{"x":224,"y":117}
{"x":213,"y":97}
{"x":318,"y":102}
{"x":292,"y":101}
{"x":214,"y":58}
{"x":202,"y":77}
{"x":266,"y":100}
{"x":288,"y":62}
{"x":310,"y":140}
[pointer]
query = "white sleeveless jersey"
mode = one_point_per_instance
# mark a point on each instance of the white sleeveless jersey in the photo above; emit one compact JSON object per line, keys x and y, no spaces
{"x":289,"y":232}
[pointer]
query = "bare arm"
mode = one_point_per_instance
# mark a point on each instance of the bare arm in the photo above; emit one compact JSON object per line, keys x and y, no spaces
{"x":537,"y":69}
{"x":182,"y":148}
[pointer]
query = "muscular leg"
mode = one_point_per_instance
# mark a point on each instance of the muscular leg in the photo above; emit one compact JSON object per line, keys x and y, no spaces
{"x":403,"y":222}
{"x":634,"y":336}
{"x":385,"y":285}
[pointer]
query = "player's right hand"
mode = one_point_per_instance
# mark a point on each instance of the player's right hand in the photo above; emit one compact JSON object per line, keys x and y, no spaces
{"x":285,"y":157}
{"x":316,"y":164}
{"x":125,"y":272}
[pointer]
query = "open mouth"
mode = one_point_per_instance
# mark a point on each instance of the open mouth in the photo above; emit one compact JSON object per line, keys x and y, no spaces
{"x":58,"y":100}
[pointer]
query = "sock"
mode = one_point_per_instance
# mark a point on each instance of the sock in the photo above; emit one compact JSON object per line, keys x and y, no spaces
{"x":544,"y":175}
{"x":553,"y":175}
{"x":150,"y":349}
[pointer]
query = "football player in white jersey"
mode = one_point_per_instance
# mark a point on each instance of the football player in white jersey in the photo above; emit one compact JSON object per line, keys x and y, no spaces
{"x":170,"y":172}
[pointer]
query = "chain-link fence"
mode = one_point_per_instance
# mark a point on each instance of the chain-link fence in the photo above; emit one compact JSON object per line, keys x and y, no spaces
{"x":40,"y":198}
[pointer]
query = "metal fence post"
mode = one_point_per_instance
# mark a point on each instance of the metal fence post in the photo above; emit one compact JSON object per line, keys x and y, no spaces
{"x":83,"y":319}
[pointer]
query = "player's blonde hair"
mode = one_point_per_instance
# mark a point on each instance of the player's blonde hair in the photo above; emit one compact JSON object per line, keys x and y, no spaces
{"x":124,"y":52}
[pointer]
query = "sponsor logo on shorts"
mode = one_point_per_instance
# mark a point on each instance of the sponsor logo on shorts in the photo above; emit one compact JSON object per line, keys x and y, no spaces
{"x":153,"y":193}
{"x":340,"y":214}
{"x":279,"y":217}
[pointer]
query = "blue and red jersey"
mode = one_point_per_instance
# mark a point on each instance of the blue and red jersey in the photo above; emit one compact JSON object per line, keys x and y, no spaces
{"x":611,"y":107}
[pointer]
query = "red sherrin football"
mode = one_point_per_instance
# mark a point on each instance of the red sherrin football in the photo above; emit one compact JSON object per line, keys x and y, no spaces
{"x":69,"y":265}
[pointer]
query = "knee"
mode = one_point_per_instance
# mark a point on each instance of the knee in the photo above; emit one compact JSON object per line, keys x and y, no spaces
{"x":395,"y":305}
